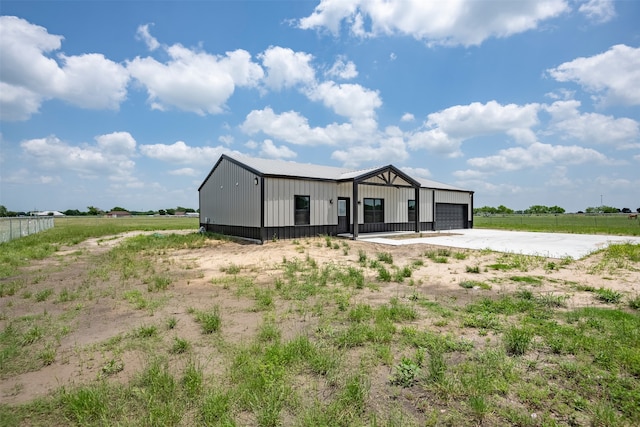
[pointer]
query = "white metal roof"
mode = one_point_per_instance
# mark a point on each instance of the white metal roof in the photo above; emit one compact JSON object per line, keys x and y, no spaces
{"x":308,"y":170}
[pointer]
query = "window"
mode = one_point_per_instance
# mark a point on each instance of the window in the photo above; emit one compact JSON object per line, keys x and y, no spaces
{"x":412,"y":211}
{"x":373,"y":210}
{"x":342,"y":207}
{"x":302,"y":211}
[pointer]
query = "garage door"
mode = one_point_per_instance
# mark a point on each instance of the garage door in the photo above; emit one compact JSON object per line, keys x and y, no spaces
{"x":450,"y":216}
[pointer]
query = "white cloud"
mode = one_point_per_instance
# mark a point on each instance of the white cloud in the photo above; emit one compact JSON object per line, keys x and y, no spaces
{"x":416,"y":172}
{"x":535,"y":156}
{"x":144,"y":35}
{"x":181,"y":153}
{"x":343,"y":70}
{"x":25,"y":176}
{"x":194,"y":81}
{"x":388,"y":148}
{"x":348,"y":100}
{"x":407,"y":117}
{"x":29,"y":76}
{"x":18,"y":103}
{"x":477,"y":119}
{"x":447,"y":129}
{"x":559,"y":179}
{"x":435,"y":141}
{"x":462,"y":22}
{"x":251,"y":144}
{"x":110,"y":158}
{"x":184,"y":172}
{"x":289,"y":126}
{"x":226,"y":139}
{"x":270,"y":150}
{"x":599,"y":11}
{"x":617,"y":183}
{"x":623,"y":133}
{"x":470,"y":174}
{"x":614,"y":76}
{"x":286,"y":68}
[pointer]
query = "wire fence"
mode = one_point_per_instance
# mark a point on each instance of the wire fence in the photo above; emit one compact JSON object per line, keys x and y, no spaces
{"x":621,"y":224}
{"x":15,"y":228}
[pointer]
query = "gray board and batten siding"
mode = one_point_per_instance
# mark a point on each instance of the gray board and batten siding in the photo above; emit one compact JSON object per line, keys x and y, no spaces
{"x":257,"y":199}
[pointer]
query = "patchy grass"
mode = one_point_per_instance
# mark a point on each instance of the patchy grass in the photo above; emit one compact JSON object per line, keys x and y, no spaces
{"x":327,"y":339}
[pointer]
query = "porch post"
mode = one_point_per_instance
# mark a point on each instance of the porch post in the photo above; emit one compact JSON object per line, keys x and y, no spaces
{"x":417,"y":218}
{"x":355,"y":210}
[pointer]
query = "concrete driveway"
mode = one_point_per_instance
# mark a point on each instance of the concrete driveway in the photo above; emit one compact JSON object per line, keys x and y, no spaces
{"x":551,"y":245}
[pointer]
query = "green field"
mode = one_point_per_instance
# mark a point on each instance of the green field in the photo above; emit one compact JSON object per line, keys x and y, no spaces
{"x":615,"y":224}
{"x":71,"y":231}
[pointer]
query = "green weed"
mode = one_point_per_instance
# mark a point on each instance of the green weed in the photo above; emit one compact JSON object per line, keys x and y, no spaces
{"x":517,"y":340}
{"x":210,"y":321}
{"x":405,"y":373}
{"x":385,"y":257}
{"x":180,"y":345}
{"x":43,"y":295}
{"x":608,"y":295}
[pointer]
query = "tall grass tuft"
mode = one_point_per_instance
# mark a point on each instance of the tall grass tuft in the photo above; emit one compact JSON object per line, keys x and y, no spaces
{"x":517,"y":340}
{"x":210,"y":321}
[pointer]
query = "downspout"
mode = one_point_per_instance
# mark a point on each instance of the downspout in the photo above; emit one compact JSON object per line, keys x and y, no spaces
{"x":471,"y":222}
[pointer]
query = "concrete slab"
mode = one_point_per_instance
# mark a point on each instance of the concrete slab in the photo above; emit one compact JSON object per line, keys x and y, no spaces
{"x":551,"y":245}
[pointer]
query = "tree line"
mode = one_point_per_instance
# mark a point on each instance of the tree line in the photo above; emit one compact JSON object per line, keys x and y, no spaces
{"x":92,"y":210}
{"x":541,"y":209}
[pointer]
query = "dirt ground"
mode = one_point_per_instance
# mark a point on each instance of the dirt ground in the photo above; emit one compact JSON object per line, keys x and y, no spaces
{"x":101,"y":314}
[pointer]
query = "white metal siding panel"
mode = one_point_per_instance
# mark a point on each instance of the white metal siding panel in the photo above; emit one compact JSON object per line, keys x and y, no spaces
{"x":426,"y":205}
{"x":279,"y":201}
{"x":396,"y":201}
{"x":230,"y":197}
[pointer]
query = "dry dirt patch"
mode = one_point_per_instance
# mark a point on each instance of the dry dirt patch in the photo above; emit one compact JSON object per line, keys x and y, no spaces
{"x":89,"y":327}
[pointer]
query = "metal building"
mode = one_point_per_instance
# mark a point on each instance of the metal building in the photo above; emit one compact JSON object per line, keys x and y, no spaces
{"x":265,"y":199}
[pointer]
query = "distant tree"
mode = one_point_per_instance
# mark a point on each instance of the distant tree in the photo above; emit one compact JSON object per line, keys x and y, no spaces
{"x":170,"y":211}
{"x":119,"y":209}
{"x":3,"y":211}
{"x":92,"y":210}
{"x":189,"y":210}
{"x":602,"y":209}
{"x":556,"y":210}
{"x":73,"y":212}
{"x":504,"y":210}
{"x":485,"y":210}
{"x":626,"y":210}
{"x":162,"y":212}
{"x":537,"y":209}
{"x":638,"y":210}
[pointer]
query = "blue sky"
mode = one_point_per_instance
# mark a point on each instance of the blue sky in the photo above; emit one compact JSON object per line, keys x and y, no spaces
{"x":130,"y":103}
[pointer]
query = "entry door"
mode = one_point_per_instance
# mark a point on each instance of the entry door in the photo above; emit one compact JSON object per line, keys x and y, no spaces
{"x":343,"y":214}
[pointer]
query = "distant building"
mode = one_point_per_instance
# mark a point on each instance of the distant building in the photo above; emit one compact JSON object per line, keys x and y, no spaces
{"x":47,"y":213}
{"x":117,"y":214}
{"x":262,"y":199}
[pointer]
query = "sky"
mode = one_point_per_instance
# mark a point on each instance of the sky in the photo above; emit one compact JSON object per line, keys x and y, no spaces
{"x":131,"y":103}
